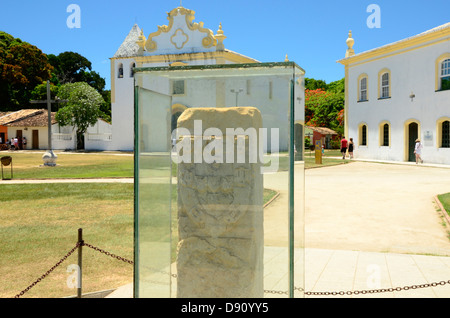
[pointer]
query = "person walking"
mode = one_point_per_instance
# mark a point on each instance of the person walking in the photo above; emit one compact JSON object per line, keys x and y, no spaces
{"x":418,"y":151}
{"x":344,"y":144}
{"x":350,"y":148}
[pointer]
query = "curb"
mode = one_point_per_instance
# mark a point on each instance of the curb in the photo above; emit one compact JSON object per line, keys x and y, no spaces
{"x":443,"y":211}
{"x":273,"y":198}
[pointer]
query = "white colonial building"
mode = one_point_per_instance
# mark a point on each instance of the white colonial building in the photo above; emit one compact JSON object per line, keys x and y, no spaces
{"x":32,"y":124}
{"x":181,"y":42}
{"x":398,"y":93}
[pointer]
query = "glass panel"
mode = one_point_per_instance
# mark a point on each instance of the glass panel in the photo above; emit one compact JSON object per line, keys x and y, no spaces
{"x":363,"y":89}
{"x":445,"y":69}
{"x":153,"y":193}
{"x":234,"y":206}
{"x":385,"y":85}
{"x":445,"y":83}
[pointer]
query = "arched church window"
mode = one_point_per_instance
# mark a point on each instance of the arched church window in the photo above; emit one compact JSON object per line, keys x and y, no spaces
{"x":362,"y":135}
{"x":133,"y":65}
{"x":386,"y":135}
{"x":120,"y":73}
{"x":445,"y":75}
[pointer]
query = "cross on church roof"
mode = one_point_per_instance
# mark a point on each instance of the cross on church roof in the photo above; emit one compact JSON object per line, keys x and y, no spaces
{"x":179,"y":39}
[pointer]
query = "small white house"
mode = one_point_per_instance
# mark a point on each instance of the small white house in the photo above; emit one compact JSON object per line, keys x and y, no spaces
{"x":32,"y":124}
{"x":398,"y":93}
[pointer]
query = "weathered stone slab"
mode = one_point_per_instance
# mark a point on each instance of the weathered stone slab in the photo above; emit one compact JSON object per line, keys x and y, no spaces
{"x":220,"y":214}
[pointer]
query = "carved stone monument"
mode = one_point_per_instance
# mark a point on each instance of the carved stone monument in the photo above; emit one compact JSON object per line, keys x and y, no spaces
{"x":220,"y":205}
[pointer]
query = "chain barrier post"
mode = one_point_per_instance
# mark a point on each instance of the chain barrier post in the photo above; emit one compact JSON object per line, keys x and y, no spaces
{"x":80,"y":261}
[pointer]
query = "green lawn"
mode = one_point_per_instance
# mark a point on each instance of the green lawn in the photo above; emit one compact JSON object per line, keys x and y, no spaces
{"x":445,"y":200}
{"x":40,"y":225}
{"x":29,"y":165}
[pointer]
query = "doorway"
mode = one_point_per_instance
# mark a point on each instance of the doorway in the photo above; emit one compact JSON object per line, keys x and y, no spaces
{"x":35,"y":139}
{"x":19,"y":135}
{"x":413,"y":134}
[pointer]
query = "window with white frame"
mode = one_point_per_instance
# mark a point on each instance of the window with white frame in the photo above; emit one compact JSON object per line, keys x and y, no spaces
{"x":385,"y":85}
{"x":363,"y":89}
{"x":444,"y":78}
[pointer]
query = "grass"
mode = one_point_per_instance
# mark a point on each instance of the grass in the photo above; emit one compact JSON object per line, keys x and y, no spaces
{"x":445,"y":200}
{"x":29,"y":165}
{"x":39,"y":226}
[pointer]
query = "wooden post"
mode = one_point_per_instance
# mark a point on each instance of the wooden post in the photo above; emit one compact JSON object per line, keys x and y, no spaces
{"x":80,"y":262}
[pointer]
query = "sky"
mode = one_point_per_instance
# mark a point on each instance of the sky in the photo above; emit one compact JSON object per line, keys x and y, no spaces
{"x":312,"y":33}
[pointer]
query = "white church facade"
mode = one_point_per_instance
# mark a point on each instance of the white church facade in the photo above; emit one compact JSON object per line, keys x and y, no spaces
{"x":180,"y":43}
{"x":398,"y":93}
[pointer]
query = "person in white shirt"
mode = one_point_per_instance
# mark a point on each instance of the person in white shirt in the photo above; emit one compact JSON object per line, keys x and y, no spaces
{"x":418,"y":151}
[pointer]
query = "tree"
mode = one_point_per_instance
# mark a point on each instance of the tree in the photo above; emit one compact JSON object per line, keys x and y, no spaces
{"x":40,"y":93}
{"x":82,"y":109}
{"x":337,"y":86}
{"x":71,"y":67}
{"x":324,"y":107}
{"x":22,"y":67}
{"x":313,"y":84}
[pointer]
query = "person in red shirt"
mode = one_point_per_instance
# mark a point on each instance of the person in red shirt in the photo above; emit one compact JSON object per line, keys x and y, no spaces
{"x":344,"y":144}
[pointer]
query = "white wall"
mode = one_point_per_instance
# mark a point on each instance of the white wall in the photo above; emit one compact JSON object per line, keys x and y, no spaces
{"x":123,"y":108}
{"x":99,"y":136}
{"x":412,"y":71}
{"x":28,"y":134}
{"x":63,"y":138}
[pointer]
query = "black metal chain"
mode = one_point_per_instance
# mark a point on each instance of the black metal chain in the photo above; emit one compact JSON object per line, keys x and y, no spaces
{"x":380,"y":290}
{"x":298,"y":289}
{"x":108,"y":253}
{"x":49,"y":271}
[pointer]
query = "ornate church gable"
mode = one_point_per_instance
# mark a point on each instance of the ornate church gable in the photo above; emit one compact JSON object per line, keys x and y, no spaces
{"x":182,"y":35}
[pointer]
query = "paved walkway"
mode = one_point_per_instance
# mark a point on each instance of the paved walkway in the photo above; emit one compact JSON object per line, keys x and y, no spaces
{"x":378,"y":220}
{"x":343,"y":270}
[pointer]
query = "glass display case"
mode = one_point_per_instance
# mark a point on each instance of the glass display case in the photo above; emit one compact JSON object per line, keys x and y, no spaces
{"x":219,"y":181}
